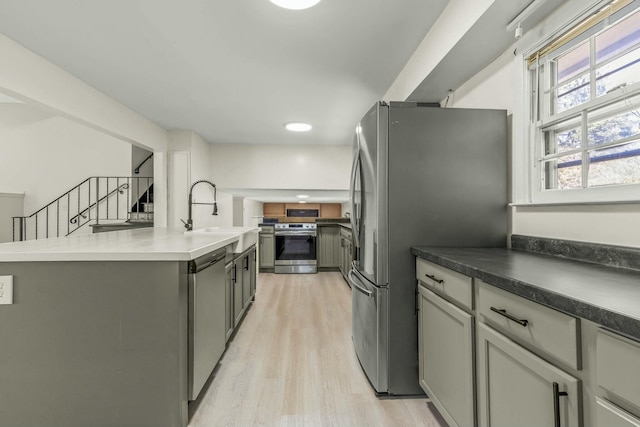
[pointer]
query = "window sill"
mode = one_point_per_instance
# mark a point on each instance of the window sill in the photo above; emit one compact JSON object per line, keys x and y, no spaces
{"x":604,"y":195}
{"x":543,"y":204}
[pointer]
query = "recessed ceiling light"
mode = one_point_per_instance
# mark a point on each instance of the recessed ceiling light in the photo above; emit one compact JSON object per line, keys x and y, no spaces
{"x":295,"y":4}
{"x":298,"y":127}
{"x":302,"y":196}
{"x":302,"y":201}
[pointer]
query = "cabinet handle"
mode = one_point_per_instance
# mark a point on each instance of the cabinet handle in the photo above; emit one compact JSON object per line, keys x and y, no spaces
{"x":556,"y":403}
{"x":521,"y":322}
{"x":434,"y":278}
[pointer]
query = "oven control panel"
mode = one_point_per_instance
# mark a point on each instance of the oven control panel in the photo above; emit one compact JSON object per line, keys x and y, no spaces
{"x":296,"y":226}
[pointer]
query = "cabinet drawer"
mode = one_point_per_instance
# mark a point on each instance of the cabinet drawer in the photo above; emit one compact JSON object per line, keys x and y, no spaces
{"x":609,"y":415}
{"x":618,"y":363}
{"x":446,"y":281}
{"x":548,"y":330}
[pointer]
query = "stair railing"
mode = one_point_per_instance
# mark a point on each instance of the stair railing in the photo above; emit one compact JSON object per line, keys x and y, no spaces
{"x":87,"y":211}
{"x":93,"y":200}
{"x":137,"y":169}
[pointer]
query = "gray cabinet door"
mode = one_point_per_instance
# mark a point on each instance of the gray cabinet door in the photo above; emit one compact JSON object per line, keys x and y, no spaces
{"x":229,"y":301}
{"x":328,"y":247}
{"x":516,"y":387}
{"x":246,"y":280}
{"x":267,"y":251}
{"x":252,"y":269}
{"x":445,"y":348}
{"x":343,"y":256}
{"x":238,"y":310}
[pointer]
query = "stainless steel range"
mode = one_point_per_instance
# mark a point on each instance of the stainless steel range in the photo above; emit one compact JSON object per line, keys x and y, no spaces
{"x":296,"y":248}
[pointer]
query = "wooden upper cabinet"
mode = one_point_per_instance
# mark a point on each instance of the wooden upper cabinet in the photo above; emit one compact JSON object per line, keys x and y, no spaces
{"x":330,"y":210}
{"x":273,"y":210}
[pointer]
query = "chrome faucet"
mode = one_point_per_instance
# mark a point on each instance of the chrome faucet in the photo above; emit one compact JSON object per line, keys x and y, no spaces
{"x":189,"y":224}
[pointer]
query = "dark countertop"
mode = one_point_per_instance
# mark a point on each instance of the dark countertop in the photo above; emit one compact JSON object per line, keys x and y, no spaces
{"x":334,"y":224}
{"x":332,"y":221}
{"x":602,"y":294}
{"x":322,"y":222}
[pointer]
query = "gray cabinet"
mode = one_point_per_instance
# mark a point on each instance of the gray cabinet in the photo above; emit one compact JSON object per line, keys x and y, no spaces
{"x":610,"y":415}
{"x":328,"y":250}
{"x":241,"y":285}
{"x":446,"y":341}
{"x":248,"y":276}
{"x":517,"y":388}
{"x":267,"y":249}
{"x":252,"y":268}
{"x":445,"y":346}
{"x":238,"y":303}
{"x":534,"y":365}
{"x":518,"y":385}
{"x":617,"y":379}
{"x":346,"y":251}
{"x":229,"y":324}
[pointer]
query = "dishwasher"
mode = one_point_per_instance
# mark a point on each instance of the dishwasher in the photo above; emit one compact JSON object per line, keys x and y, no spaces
{"x":206,"y":317}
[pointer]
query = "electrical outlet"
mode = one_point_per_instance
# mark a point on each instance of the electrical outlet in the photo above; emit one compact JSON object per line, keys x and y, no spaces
{"x":6,"y":290}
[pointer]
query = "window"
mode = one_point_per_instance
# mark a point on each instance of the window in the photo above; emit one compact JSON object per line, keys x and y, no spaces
{"x":585,"y":104}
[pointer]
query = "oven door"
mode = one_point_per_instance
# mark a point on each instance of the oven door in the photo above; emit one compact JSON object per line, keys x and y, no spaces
{"x":295,"y":251}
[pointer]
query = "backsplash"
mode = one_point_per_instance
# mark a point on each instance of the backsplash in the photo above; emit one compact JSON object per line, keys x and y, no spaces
{"x":614,"y":256}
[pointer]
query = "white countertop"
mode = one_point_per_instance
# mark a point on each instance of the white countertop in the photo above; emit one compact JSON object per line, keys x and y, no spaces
{"x":145,"y":244}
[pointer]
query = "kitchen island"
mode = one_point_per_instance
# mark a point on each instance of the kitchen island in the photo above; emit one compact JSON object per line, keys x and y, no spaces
{"x":97,"y":334}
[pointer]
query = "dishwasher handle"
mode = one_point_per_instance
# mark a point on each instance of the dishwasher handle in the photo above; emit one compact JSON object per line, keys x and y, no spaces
{"x":206,"y":261}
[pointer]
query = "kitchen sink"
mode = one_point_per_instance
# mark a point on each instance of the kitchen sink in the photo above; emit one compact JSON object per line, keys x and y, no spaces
{"x":247,"y":236}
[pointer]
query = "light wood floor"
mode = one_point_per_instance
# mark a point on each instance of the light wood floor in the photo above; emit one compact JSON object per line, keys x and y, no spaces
{"x":292,"y":363}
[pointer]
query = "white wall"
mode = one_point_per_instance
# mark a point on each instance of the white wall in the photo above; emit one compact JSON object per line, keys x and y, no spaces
{"x":47,"y":156}
{"x":252,"y":214}
{"x":238,"y":211}
{"x":493,"y":87}
{"x":346,"y":207}
{"x":30,"y":78}
{"x":188,"y":162}
{"x":138,"y":155}
{"x":609,"y":224}
{"x":11,"y":204}
{"x":280,"y":166}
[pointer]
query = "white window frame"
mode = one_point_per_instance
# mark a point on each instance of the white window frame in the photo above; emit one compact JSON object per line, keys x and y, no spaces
{"x":528,"y":186}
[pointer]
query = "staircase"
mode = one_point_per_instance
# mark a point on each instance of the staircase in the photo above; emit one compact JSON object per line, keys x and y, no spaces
{"x":104,"y":203}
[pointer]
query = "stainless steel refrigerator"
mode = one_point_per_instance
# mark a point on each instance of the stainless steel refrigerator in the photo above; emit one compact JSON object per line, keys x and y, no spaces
{"x":422,"y":176}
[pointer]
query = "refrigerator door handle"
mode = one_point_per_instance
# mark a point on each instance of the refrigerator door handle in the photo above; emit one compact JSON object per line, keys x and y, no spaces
{"x":354,"y":168}
{"x":355,"y":282}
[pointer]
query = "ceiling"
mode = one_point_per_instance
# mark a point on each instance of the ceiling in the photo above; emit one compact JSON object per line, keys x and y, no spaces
{"x":233,"y":71}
